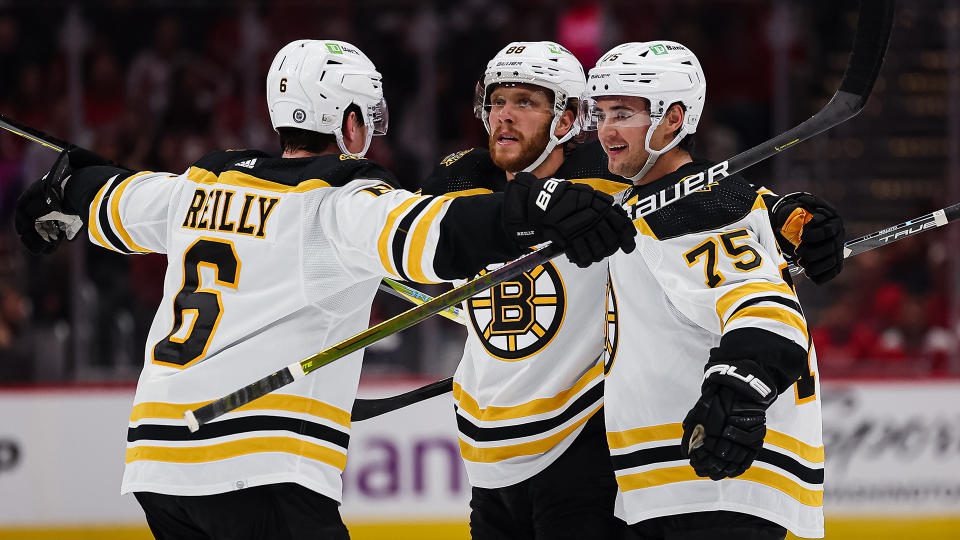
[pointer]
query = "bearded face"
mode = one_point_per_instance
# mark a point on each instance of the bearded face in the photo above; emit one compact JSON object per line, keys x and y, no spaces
{"x":520,"y":118}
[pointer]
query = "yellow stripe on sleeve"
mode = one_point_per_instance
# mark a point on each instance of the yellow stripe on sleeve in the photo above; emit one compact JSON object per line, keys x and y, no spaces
{"x":419,"y":241}
{"x":778,"y":314}
{"x":685,"y":473}
{"x":667,"y":432}
{"x":537,"y":406}
{"x":232,"y":449}
{"x":383,"y":243}
{"x":115,"y":213}
{"x":732,"y":297}
{"x":813,"y":454}
{"x":92,"y":219}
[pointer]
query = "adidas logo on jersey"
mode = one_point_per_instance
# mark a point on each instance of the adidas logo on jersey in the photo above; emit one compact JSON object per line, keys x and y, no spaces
{"x":247,"y":163}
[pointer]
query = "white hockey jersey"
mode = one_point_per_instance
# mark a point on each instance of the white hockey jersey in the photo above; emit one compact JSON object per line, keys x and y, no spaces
{"x":531,"y":374}
{"x":269,"y":261}
{"x":704,"y":267}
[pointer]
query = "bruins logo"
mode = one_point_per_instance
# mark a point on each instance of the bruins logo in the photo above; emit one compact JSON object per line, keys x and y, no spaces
{"x":519,"y":317}
{"x":611,"y":331}
{"x":452,"y":158}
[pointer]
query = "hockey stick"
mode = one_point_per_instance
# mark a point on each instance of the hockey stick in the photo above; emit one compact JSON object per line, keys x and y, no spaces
{"x":869,"y":45}
{"x":34,"y":135}
{"x":867,"y":242}
{"x":365,"y":409}
{"x":395,"y":288}
{"x":369,"y":408}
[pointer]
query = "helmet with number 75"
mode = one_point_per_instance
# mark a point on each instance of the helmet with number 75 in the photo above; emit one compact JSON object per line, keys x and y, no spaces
{"x":311,"y":84}
{"x":663,"y":73}
{"x":540,"y":63}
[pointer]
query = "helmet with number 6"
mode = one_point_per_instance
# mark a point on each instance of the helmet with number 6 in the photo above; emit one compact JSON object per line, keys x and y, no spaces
{"x":311,"y":83}
{"x":540,"y":63}
{"x":663,"y":73}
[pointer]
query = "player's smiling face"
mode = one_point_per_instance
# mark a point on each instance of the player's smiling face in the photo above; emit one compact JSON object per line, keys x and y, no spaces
{"x":622,"y":129}
{"x":520,"y":117}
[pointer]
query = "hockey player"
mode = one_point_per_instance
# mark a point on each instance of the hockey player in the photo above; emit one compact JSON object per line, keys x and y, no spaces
{"x":269,"y":260}
{"x":711,"y":402}
{"x":530,"y":383}
{"x":529,"y":387}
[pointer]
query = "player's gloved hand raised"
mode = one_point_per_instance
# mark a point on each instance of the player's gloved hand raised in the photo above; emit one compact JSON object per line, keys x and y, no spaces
{"x":582,"y":221}
{"x":40,"y":218}
{"x":810,"y":232}
{"x":723,"y":433}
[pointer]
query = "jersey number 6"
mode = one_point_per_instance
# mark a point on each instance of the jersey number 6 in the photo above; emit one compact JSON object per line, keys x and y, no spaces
{"x":203,"y":307}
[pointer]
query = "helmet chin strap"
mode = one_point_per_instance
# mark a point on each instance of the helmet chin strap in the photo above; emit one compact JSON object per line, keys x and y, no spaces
{"x":552,"y":143}
{"x":654,"y":155}
{"x":338,"y":134}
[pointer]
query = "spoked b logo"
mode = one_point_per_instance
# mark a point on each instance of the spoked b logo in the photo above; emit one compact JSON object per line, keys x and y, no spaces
{"x":519,"y":317}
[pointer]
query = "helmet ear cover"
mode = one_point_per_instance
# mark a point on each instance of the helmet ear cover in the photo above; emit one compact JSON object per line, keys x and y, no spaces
{"x":293,"y":139}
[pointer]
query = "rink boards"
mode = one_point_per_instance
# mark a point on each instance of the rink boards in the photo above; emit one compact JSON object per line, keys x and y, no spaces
{"x":893,"y":465}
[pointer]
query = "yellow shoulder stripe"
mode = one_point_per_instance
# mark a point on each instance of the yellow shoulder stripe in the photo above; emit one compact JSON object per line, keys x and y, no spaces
{"x":644,"y":228}
{"x":468,"y":192}
{"x":759,"y":203}
{"x":242,"y":179}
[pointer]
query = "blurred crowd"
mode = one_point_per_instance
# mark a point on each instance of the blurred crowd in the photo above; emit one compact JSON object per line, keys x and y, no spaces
{"x":154,"y":88}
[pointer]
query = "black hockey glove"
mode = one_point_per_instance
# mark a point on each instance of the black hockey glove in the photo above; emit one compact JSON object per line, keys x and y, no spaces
{"x":584,"y":222}
{"x":724,"y":431}
{"x":810,"y":233}
{"x":40,"y":218}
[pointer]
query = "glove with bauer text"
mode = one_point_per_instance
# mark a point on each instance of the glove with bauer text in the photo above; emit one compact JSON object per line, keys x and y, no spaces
{"x":582,"y":221}
{"x":810,"y":232}
{"x":40,"y":219}
{"x":723,"y":433}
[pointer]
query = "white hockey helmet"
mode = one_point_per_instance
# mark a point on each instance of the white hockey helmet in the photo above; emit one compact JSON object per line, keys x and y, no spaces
{"x":540,"y":63}
{"x":311,"y":83}
{"x":662,"y":72}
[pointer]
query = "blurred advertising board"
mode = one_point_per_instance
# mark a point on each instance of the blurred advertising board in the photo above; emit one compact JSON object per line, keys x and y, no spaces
{"x":893,"y":452}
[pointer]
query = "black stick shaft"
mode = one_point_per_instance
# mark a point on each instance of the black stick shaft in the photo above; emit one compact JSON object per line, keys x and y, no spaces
{"x":31,"y":134}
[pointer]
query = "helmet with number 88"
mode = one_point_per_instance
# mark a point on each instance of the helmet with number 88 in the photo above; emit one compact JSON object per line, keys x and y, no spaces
{"x":311,"y":84}
{"x":539,"y":63}
{"x":663,"y":73}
